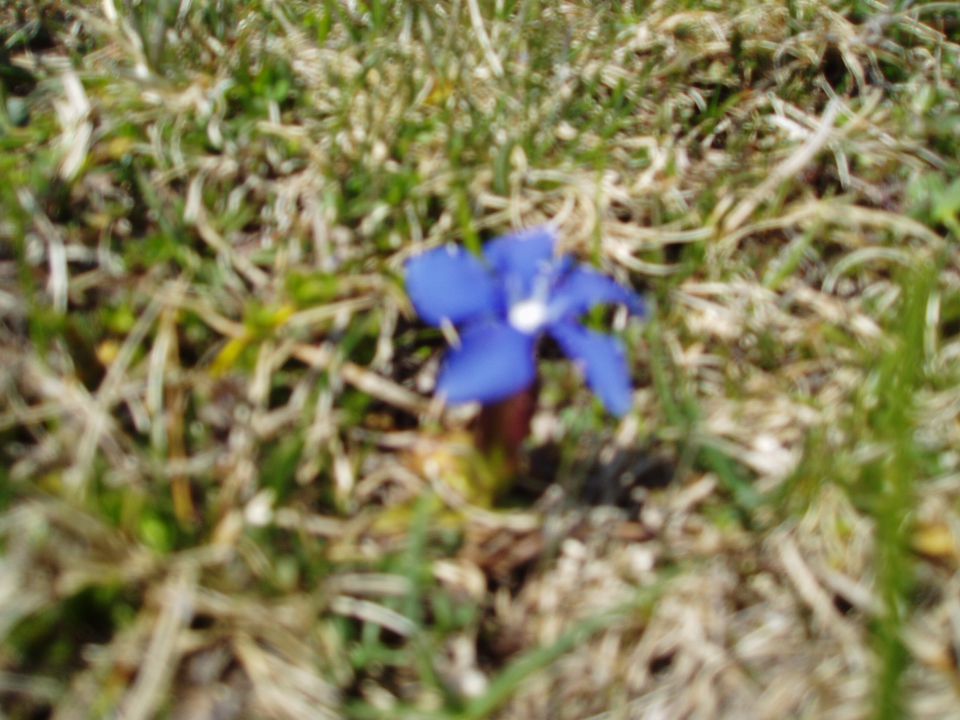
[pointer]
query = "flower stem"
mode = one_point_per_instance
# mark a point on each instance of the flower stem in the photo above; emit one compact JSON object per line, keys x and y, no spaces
{"x":502,"y":427}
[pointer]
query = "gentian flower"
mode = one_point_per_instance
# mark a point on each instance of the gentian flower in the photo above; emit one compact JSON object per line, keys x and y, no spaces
{"x":505,"y":303}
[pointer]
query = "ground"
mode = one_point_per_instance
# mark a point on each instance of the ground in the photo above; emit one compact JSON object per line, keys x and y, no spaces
{"x":226,"y":490}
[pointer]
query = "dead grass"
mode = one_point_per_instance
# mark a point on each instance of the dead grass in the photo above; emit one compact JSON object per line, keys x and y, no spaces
{"x":224,"y":489}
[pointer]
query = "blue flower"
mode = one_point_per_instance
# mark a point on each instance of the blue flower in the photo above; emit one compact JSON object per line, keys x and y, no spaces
{"x":505,"y":303}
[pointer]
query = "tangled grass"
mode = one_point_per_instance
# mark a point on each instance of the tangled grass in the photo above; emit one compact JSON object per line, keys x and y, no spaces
{"x":217,"y":445}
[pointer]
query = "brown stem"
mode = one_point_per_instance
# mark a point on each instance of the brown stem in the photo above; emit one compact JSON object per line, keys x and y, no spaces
{"x":502,"y":427}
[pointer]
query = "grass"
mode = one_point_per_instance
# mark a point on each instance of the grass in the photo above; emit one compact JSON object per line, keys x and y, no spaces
{"x":224,"y":489}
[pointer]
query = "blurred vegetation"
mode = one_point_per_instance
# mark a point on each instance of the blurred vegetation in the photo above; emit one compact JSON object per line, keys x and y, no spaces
{"x":224,"y":490}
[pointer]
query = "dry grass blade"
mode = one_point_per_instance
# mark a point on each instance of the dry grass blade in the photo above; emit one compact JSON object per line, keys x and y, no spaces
{"x":153,"y":678}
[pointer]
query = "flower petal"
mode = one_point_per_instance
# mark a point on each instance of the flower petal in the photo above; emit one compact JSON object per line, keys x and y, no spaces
{"x":582,"y":289}
{"x":602,"y":359}
{"x":493,"y":362}
{"x":519,"y":258}
{"x":449,"y":283}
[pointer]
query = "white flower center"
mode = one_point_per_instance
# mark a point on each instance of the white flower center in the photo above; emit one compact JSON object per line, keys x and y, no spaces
{"x":528,"y":316}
